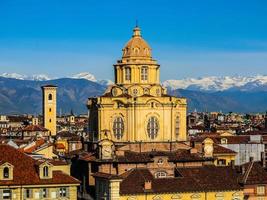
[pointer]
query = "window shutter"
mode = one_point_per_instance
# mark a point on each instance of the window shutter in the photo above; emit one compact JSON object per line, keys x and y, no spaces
{"x":48,"y":192}
{"x":41,"y":193}
{"x":24,"y":193}
{"x":31,"y":193}
{"x":1,"y":194}
{"x":67,"y":192}
{"x":57,"y":192}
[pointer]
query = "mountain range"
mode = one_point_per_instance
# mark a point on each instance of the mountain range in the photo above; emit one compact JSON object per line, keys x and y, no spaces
{"x":22,"y":94}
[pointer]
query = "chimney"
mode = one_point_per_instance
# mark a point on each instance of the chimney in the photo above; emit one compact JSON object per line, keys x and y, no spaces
{"x":251,"y":158}
{"x":148,"y":185}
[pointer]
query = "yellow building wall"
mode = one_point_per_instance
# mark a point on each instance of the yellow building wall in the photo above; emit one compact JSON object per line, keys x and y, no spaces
{"x":18,"y":192}
{"x":47,"y":152}
{"x":64,"y":142}
{"x":136,"y":118}
{"x":50,"y":109}
{"x":63,"y":168}
{"x":226,"y":195}
{"x":227,"y":158}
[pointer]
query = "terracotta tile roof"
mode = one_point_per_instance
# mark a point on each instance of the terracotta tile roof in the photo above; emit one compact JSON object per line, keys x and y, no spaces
{"x":208,"y":178}
{"x":55,"y":162}
{"x":40,"y":143}
{"x":13,"y":118}
{"x":83,"y":155}
{"x":68,"y":135}
{"x":106,"y":176}
{"x":222,"y":150}
{"x":182,"y":155}
{"x":244,"y":139}
{"x":186,"y":156}
{"x":26,"y":170}
{"x":254,"y":173}
{"x":34,"y":128}
{"x":59,"y":146}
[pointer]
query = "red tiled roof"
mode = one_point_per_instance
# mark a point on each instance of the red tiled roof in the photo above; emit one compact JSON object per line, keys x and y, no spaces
{"x":38,"y":144}
{"x":254,"y":174}
{"x":217,"y":139}
{"x":34,"y":128}
{"x":26,"y":170}
{"x":106,"y":176}
{"x":207,"y":178}
{"x":182,"y":155}
{"x":222,"y":150}
{"x":59,"y":146}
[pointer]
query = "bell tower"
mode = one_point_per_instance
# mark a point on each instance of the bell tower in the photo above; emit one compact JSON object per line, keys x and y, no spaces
{"x":50,"y":108}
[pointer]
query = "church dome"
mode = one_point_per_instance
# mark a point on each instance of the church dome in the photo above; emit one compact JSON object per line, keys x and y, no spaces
{"x":136,"y":47}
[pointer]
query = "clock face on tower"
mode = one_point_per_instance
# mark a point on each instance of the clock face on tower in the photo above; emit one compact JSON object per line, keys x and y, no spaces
{"x":106,"y":151}
{"x":208,"y":149}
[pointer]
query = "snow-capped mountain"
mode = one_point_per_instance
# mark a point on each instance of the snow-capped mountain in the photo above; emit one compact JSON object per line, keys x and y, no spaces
{"x":209,"y":83}
{"x":91,"y":77}
{"x":214,"y":83}
{"x":34,"y":77}
{"x":85,"y":75}
{"x":42,"y":77}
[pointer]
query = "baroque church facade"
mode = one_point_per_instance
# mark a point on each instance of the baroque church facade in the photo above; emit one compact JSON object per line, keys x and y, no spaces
{"x":137,"y":108}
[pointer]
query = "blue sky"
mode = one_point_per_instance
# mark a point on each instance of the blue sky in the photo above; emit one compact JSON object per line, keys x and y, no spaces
{"x":189,"y":38}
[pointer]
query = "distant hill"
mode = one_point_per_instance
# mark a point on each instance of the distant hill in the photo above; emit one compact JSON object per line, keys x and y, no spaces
{"x":25,"y":96}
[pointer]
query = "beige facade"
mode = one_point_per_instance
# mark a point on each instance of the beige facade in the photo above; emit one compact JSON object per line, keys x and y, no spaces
{"x":137,"y":107}
{"x":47,"y":192}
{"x":50,"y":108}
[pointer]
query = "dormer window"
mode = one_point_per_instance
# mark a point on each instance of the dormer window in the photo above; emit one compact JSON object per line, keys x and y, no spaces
{"x":223,"y":141}
{"x":45,"y":171}
{"x":6,"y":173}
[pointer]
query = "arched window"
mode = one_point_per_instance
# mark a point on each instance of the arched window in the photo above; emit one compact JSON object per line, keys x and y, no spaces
{"x":128,"y":74}
{"x":118,"y":127}
{"x":50,"y":97}
{"x":6,"y":172}
{"x":160,"y":174}
{"x":144,"y":73}
{"x":177,"y":127}
{"x":152,"y":127}
{"x":45,"y":171}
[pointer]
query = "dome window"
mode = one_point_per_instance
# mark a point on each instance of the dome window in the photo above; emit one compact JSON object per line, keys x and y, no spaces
{"x":144,"y":73}
{"x":128,"y":74}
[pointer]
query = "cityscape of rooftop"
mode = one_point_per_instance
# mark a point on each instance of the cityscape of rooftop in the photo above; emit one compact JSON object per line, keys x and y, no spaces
{"x":141,"y":100}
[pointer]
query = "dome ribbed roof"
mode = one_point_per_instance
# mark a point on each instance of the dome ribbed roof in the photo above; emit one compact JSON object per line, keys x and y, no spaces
{"x":136,"y":46}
